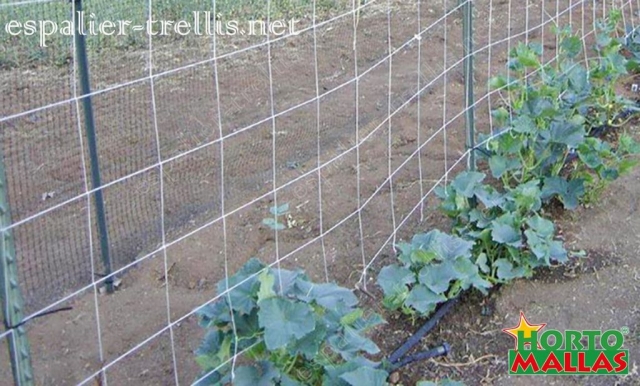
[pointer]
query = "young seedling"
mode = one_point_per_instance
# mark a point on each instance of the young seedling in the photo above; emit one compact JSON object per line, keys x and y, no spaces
{"x":278,"y":212}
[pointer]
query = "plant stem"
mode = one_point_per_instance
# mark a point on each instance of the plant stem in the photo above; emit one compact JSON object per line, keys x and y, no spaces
{"x":290,"y":365}
{"x":618,"y":125}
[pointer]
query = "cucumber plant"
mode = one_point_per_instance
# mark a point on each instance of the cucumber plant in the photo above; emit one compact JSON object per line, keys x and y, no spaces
{"x":497,"y":236}
{"x":549,"y":145}
{"x":432,"y":268}
{"x":509,"y":234}
{"x":556,"y":112}
{"x":291,"y":330}
{"x":278,"y":212}
{"x":600,"y":164}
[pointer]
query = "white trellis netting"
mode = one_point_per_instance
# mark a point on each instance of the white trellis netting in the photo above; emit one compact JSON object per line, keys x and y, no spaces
{"x":353,"y":122}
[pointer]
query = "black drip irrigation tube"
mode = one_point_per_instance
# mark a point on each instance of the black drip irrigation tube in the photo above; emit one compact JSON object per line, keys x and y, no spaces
{"x":443,"y":349}
{"x":397,"y":359}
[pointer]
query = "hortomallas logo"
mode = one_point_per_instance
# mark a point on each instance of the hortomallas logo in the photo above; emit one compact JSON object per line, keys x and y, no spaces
{"x":570,"y":352}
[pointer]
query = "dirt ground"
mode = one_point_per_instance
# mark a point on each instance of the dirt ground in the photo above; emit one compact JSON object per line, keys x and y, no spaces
{"x":68,"y":347}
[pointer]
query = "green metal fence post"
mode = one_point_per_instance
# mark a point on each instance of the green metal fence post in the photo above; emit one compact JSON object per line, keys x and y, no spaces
{"x":10,"y":295}
{"x":83,"y":69}
{"x":467,"y":42}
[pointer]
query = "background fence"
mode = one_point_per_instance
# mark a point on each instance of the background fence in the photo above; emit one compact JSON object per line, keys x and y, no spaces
{"x":352,"y":121}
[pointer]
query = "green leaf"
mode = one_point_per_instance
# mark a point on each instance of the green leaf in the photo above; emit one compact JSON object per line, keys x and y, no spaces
{"x":514,"y":64}
{"x":538,"y":245}
{"x":627,"y":145}
{"x":571,"y":46}
{"x":541,"y":226}
{"x":366,"y":376}
{"x":286,"y":381}
{"x":497,"y":82}
{"x":507,"y":144}
{"x":280,"y":210}
{"x":247,"y":328}
{"x":211,"y":379}
{"x":567,"y":133}
{"x":395,"y":300}
{"x":610,"y":174}
{"x":214,"y":314}
{"x":437,"y":277}
{"x":309,"y":345}
{"x":449,"y":247}
{"x":273,"y":224}
{"x":526,"y":56}
{"x":589,"y":156}
{"x":578,"y":119}
{"x":603,"y":39}
{"x":461,"y":203}
{"x":527,"y":196}
{"x":500,"y":165}
{"x":421,"y":257}
{"x":617,"y":62}
{"x":350,"y":343}
{"x":506,"y":271}
{"x":489,"y":196}
{"x":243,"y":296}
{"x":424,"y":300}
{"x":480,"y":218}
{"x":365,"y":323}
{"x":450,"y":382}
{"x":405,"y":252}
{"x":505,"y":231}
{"x":536,"y":47}
{"x":469,"y":275}
{"x":524,"y":124}
{"x":250,"y":376}
{"x":266,"y":286}
{"x":569,"y":192}
{"x":214,"y":350}
{"x":352,"y":317}
{"x":500,"y":115}
{"x":553,"y":186}
{"x":394,"y":279}
{"x":332,"y":373}
{"x":578,"y":79}
{"x":291,"y":283}
{"x":465,"y":183}
{"x":425,"y":241}
{"x":539,"y":107}
{"x":558,"y":252}
{"x":481,"y":262}
{"x":284,"y":321}
{"x":331,"y":295}
{"x":633,"y":66}
{"x":626,"y":165}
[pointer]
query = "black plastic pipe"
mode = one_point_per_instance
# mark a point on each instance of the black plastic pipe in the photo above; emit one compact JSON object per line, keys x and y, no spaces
{"x":428,"y":326}
{"x":443,"y":349}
